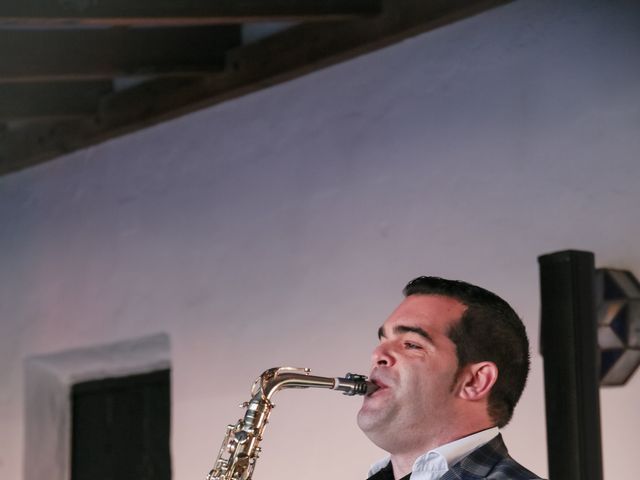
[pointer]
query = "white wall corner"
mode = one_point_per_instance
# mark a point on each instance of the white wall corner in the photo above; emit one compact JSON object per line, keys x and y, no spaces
{"x":48,"y":382}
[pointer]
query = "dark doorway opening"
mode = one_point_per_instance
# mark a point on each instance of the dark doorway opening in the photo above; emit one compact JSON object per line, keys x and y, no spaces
{"x":120,"y":428}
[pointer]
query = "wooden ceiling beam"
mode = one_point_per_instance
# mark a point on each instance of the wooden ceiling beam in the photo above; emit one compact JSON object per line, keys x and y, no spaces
{"x":176,"y":12}
{"x":26,"y":145}
{"x":275,"y":59}
{"x":37,"y":55}
{"x":51,"y":100}
{"x":289,"y":54}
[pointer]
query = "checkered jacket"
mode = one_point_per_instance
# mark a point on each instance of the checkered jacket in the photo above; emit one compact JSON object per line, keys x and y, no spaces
{"x":491,"y":461}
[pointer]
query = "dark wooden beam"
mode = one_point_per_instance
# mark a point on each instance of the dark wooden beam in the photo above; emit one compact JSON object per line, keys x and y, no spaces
{"x":27,"y":145}
{"x":281,"y":57}
{"x":294,"y":52}
{"x":51,"y":100}
{"x":174,"y":12}
{"x":37,"y":55}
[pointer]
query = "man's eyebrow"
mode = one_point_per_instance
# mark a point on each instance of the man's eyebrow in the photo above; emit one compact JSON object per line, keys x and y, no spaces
{"x":407,"y":329}
{"x":398,"y":329}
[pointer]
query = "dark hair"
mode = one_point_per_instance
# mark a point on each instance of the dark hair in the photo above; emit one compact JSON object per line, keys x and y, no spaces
{"x":489,"y":330}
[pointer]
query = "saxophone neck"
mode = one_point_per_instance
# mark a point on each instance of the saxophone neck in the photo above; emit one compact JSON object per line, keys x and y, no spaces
{"x":278,"y":378}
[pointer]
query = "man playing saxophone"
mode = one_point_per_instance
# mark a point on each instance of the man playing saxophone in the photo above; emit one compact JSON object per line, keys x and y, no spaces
{"x":451,"y":365}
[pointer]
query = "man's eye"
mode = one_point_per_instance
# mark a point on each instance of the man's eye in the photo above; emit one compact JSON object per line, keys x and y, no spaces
{"x":412,"y":346}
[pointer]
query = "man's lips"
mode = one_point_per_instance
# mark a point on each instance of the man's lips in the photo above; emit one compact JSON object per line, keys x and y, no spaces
{"x":371,"y":388}
{"x":379,"y":385}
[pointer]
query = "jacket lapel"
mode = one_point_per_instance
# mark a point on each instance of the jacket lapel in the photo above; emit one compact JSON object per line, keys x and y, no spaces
{"x":479,"y":463}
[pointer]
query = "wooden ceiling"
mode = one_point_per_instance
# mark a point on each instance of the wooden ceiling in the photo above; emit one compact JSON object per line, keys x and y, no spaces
{"x":77,"y":72}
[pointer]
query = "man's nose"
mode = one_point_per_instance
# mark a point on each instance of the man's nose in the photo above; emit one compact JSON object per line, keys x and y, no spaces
{"x":383,"y":355}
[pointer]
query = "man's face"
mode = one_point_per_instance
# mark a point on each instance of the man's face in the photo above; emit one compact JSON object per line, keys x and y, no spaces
{"x":415,"y":366}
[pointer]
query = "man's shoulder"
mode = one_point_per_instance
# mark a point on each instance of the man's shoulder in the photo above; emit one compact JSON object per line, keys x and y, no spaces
{"x":491,"y":461}
{"x":509,"y":469}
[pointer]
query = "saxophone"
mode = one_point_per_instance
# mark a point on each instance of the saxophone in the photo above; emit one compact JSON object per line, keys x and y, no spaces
{"x":240,"y":447}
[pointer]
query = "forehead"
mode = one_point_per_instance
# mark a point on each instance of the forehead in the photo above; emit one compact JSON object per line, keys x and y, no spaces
{"x":432,"y":312}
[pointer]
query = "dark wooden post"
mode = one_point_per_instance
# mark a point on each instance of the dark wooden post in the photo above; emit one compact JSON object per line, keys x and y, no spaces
{"x":570,"y":349}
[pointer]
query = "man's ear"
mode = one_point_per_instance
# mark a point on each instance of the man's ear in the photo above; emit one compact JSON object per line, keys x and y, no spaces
{"x":477,"y":379}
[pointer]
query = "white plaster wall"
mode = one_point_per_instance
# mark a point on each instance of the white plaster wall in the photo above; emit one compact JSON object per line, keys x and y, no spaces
{"x":279,"y":229}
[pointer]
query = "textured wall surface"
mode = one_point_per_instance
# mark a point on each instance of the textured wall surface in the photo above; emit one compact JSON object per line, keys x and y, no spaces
{"x":279,"y":229}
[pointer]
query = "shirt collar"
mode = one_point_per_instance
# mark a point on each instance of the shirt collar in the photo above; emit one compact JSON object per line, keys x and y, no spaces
{"x":444,"y":456}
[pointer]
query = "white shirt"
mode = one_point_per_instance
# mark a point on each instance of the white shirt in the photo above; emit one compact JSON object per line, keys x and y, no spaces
{"x":433,"y":464}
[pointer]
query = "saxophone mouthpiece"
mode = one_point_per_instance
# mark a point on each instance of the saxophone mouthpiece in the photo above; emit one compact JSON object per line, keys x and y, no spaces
{"x":354,"y":384}
{"x":371,"y":387}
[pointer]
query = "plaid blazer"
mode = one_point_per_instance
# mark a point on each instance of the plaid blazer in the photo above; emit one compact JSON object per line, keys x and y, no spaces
{"x":491,"y":461}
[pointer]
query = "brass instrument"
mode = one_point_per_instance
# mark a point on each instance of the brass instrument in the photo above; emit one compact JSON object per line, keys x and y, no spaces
{"x":240,"y":450}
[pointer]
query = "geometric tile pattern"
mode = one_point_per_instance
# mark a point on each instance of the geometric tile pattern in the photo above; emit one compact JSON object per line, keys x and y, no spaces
{"x":618,"y":313}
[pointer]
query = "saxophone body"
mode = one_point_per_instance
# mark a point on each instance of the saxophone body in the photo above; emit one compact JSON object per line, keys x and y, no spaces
{"x":240,"y":448}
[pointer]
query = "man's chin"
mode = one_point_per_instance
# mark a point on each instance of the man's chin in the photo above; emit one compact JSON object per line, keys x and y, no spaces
{"x":370,"y":418}
{"x":365,"y":422}
{"x":375,"y":426}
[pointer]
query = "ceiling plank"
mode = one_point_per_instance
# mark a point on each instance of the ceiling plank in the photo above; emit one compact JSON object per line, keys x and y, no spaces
{"x":289,"y":54}
{"x":37,"y":55}
{"x":174,"y":12}
{"x":25,"y":146}
{"x":281,"y":57}
{"x":51,"y":100}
